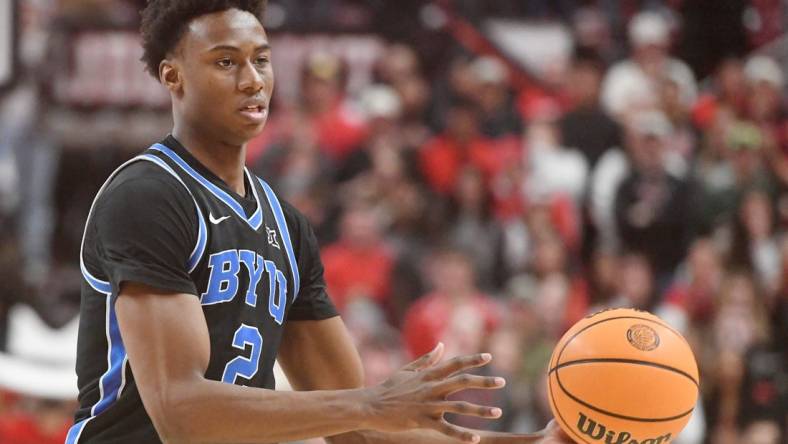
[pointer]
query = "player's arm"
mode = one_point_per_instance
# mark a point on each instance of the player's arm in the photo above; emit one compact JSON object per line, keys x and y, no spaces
{"x":320,"y":355}
{"x":168,"y":345}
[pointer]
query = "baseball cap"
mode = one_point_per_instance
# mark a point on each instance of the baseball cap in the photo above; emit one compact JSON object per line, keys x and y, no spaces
{"x":648,"y":28}
{"x":761,"y":68}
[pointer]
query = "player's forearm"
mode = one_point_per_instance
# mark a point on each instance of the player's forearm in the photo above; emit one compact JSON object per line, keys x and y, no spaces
{"x":427,"y":437}
{"x":215,"y":412}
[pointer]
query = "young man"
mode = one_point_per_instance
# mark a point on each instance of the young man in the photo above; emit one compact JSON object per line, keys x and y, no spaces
{"x":197,"y":277}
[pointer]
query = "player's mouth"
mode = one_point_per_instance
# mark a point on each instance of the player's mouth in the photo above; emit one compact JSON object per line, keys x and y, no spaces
{"x":254,"y":112}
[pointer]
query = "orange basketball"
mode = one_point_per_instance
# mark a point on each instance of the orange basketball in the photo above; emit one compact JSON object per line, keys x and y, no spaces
{"x":622,"y":377}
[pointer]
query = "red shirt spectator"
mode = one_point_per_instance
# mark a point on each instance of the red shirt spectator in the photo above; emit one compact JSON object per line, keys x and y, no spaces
{"x":439,"y":317}
{"x":460,"y":145}
{"x":359,"y":264}
{"x":23,"y":429}
{"x":456,"y":313}
{"x":442,"y":159}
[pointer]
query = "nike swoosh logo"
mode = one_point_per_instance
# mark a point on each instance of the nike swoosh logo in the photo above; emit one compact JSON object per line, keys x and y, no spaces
{"x":215,"y":220}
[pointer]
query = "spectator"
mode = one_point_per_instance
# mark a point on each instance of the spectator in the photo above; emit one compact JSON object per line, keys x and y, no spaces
{"x":652,"y":207}
{"x":455,"y":312}
{"x":616,"y":165}
{"x":740,"y":323}
{"x":459,"y":145}
{"x":682,"y":140}
{"x":754,"y":244}
{"x":495,"y":99}
{"x":382,"y":110}
{"x":400,"y":68}
{"x":458,"y":83}
{"x":634,"y":286}
{"x":587,"y":126}
{"x":553,"y":170}
{"x":536,"y":309}
{"x":765,"y":80}
{"x":553,"y":269}
{"x":359,"y":264}
{"x":602,"y":276}
{"x":728,"y":91}
{"x":472,"y":227}
{"x":634,"y":83}
{"x":690,"y":299}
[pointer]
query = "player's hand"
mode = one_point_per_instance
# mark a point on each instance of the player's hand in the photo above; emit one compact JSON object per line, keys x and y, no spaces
{"x":415,"y":397}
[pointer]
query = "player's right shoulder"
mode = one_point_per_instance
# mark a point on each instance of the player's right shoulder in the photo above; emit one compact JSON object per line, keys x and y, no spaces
{"x":147,"y":178}
{"x":143,"y":189}
{"x":143,"y":193}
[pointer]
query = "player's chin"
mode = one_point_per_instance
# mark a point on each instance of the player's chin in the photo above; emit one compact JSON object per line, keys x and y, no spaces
{"x":249,"y":130}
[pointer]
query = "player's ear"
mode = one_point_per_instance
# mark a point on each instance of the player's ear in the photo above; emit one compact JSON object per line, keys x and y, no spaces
{"x":170,"y":76}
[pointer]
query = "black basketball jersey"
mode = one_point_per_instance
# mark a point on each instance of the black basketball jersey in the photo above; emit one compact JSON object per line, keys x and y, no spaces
{"x":164,"y":220}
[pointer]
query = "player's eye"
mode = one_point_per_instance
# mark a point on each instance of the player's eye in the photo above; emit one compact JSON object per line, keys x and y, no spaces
{"x":224,"y":63}
{"x":261,"y":60}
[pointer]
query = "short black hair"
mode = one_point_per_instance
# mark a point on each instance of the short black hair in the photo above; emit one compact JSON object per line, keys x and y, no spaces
{"x":165,"y":21}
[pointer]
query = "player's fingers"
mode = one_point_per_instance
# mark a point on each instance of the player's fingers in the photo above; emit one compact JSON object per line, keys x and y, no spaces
{"x":469,"y":409}
{"x":458,"y":364}
{"x":464,"y":381}
{"x":427,"y":360}
{"x":456,"y":432}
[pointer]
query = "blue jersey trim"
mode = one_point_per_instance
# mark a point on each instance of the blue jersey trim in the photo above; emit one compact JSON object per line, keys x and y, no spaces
{"x":276,"y":207}
{"x":75,"y":431}
{"x":97,"y":284}
{"x":254,"y":221}
{"x":111,"y":381}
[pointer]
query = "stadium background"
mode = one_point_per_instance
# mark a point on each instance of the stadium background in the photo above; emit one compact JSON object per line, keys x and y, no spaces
{"x":483,"y":173}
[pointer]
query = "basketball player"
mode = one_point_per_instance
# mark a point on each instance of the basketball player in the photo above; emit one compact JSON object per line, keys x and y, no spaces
{"x":197,"y":277}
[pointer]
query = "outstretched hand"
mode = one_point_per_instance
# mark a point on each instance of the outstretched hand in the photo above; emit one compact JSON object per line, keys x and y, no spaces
{"x":415,"y":396}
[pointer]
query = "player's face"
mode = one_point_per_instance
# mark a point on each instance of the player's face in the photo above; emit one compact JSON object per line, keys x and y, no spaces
{"x":227,"y":75}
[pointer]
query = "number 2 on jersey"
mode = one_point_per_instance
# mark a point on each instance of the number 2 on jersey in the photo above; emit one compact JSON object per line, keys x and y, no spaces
{"x":245,"y":337}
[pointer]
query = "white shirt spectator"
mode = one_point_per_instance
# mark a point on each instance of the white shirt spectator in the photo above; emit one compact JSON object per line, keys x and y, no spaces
{"x":556,"y":170}
{"x":628,"y":84}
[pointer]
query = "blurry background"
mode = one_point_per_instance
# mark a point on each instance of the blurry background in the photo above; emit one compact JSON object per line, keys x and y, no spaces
{"x":483,"y":173}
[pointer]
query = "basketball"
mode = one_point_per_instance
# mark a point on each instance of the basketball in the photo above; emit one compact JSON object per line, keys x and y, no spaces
{"x":622,"y":376}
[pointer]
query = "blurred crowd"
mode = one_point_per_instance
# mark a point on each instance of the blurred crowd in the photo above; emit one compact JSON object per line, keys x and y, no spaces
{"x":457,"y":195}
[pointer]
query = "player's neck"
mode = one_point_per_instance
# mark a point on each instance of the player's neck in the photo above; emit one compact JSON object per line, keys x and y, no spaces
{"x":224,"y":160}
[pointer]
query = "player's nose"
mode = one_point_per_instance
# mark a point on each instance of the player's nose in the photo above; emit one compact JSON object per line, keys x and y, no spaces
{"x":250,"y":80}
